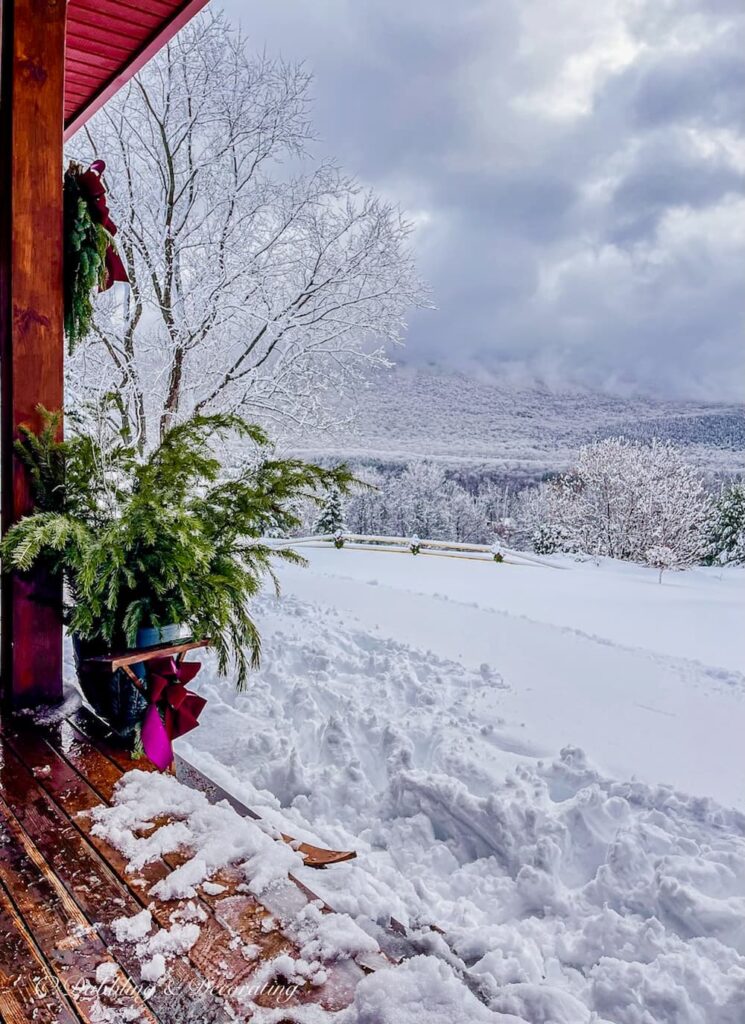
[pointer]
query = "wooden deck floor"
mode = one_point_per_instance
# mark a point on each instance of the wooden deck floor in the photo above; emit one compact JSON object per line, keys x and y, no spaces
{"x":61,"y":889}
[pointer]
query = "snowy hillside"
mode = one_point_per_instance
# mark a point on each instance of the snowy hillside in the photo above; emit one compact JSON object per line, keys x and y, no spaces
{"x":545,"y":763}
{"x":522,"y":431}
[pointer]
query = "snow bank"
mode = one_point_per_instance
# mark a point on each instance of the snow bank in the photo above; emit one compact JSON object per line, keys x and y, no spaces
{"x":592,"y":657}
{"x":696,"y":614}
{"x":422,"y":989}
{"x":565,"y":896}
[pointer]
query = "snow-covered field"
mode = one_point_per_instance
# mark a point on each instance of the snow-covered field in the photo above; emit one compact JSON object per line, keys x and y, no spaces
{"x":546,"y":764}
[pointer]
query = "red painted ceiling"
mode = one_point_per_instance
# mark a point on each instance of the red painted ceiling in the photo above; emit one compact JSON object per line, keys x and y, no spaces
{"x":108,"y":41}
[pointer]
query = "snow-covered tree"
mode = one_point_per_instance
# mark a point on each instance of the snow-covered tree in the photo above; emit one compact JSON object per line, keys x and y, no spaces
{"x":422,"y":499}
{"x":257,"y":284}
{"x":727,"y":534}
{"x":367,"y":507}
{"x":622,"y":499}
{"x":415,"y":501}
{"x":331,"y":517}
{"x":547,"y":517}
{"x":662,"y":557}
{"x":496,"y":504}
{"x":464,"y":515}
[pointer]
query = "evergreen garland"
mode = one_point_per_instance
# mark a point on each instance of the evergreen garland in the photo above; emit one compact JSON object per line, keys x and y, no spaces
{"x":85,"y":245}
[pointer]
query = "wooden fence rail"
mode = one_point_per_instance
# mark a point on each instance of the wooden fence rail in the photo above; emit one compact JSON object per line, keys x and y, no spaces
{"x":414,"y":545}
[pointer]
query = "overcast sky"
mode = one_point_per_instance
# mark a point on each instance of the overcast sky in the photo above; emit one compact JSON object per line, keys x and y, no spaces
{"x":573,"y":167}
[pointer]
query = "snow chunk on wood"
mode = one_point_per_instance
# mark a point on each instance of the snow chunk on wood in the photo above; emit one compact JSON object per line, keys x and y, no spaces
{"x":132,"y":929}
{"x":326,"y":937}
{"x":106,"y":972}
{"x":214,"y":835}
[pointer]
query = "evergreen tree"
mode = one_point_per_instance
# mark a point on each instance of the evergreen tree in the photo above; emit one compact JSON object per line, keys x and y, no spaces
{"x":331,"y":519}
{"x":727,"y":538}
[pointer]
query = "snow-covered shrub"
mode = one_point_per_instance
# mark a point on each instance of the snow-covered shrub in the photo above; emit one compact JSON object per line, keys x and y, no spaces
{"x":547,"y":517}
{"x":727,"y":534}
{"x":623,"y":499}
{"x":496,"y":551}
{"x":662,"y":557}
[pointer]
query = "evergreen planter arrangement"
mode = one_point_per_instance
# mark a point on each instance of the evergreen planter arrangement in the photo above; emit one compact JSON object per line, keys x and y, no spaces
{"x":155,"y":545}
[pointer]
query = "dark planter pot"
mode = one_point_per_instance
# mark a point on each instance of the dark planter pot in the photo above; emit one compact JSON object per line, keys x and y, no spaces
{"x":113,"y":695}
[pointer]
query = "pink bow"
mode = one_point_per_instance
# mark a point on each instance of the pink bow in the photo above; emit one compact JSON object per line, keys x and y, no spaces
{"x":173,"y":710}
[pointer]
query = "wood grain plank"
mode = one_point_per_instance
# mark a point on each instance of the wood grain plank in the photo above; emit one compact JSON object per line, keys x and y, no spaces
{"x":133,"y":655}
{"x":28,"y":988}
{"x":91,"y":728}
{"x":234,"y":919}
{"x":216,"y":956}
{"x":99,"y":892}
{"x":69,"y":944}
{"x":97,"y":27}
{"x":133,"y":12}
{"x":104,"y":87}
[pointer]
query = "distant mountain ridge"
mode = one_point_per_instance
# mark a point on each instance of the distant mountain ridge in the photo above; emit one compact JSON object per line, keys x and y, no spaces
{"x":521,"y":431}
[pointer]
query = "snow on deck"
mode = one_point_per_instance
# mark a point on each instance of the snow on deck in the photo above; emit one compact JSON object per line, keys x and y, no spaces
{"x":549,"y":766}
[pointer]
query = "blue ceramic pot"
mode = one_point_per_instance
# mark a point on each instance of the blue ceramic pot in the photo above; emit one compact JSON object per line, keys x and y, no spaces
{"x":151,"y":636}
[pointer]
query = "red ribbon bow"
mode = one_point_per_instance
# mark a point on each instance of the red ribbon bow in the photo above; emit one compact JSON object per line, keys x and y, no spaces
{"x":173,"y":710}
{"x":91,"y":184}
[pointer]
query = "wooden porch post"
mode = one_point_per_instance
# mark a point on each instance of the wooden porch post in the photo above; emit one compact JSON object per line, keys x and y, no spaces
{"x":31,"y":316}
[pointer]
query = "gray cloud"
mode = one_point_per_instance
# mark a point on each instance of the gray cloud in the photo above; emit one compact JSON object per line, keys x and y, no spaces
{"x":574,"y":172}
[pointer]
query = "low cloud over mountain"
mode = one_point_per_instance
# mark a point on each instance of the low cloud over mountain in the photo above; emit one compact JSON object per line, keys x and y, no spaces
{"x":574,"y":172}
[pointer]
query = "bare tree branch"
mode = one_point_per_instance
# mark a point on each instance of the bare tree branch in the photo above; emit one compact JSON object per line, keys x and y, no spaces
{"x":258,"y":283}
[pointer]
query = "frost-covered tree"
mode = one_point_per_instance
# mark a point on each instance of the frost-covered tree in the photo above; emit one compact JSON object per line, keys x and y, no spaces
{"x":727,"y":535}
{"x":496,"y":505}
{"x":662,"y":557}
{"x":622,"y":499}
{"x":259,"y":284}
{"x":416,"y":501}
{"x":464,"y":516}
{"x":367,"y":508}
{"x":422,"y":500}
{"x":546,"y":517}
{"x":331,"y":517}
